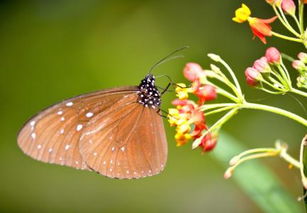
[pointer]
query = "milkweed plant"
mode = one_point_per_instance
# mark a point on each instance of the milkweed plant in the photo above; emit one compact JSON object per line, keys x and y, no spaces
{"x":268,"y":73}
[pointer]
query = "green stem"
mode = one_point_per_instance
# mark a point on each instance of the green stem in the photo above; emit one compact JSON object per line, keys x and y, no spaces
{"x":301,"y":14}
{"x":290,"y":159}
{"x":271,"y":92}
{"x":304,"y":179}
{"x":273,"y":86}
{"x":235,"y":80}
{"x":287,"y":37}
{"x":226,"y":94}
{"x":255,"y":156}
{"x":287,"y":57}
{"x":299,"y":92}
{"x":280,"y":78}
{"x":286,"y":77}
{"x":284,"y":23}
{"x":220,"y":110}
{"x":287,"y":22}
{"x":298,"y":24}
{"x":252,"y":151}
{"x":213,"y":106}
{"x":276,"y":111}
{"x":222,"y":91}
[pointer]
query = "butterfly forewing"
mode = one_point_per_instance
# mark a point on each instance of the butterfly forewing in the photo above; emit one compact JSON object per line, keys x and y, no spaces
{"x":53,"y":135}
{"x":124,"y":141}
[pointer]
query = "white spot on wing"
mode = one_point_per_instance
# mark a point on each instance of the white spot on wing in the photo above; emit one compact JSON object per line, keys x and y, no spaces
{"x":67,"y":147}
{"x":50,"y":150}
{"x":60,"y":112}
{"x":62,"y":131}
{"x":79,"y":127}
{"x":69,"y":104}
{"x":33,"y":135}
{"x":113,"y":149}
{"x":123,"y":148}
{"x":32,"y":123}
{"x":62,"y":119}
{"x":95,"y":153}
{"x":39,"y":146}
{"x":89,"y":114}
{"x":104,"y":162}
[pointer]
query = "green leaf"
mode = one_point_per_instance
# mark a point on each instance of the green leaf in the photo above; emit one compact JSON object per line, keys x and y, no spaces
{"x":256,"y":179}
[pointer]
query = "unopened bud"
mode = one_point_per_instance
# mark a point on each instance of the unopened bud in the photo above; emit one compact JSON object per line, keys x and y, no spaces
{"x":288,"y":6}
{"x":303,"y":57}
{"x":214,"y":57}
{"x":228,"y":173}
{"x":273,"y":55}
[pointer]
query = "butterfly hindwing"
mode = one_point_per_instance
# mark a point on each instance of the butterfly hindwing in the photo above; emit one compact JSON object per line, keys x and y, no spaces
{"x":125,"y":141}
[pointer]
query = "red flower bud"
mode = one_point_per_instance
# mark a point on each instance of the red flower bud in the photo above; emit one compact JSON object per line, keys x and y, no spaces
{"x":262,"y":65}
{"x":252,"y":76}
{"x":288,"y":6}
{"x":208,"y":142}
{"x":302,"y":56}
{"x":273,"y":55}
{"x":192,"y":71}
{"x":298,"y":65}
{"x":206,"y":93}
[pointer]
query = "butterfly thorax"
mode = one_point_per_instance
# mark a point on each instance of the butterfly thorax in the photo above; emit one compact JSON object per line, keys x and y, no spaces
{"x":149,"y":95}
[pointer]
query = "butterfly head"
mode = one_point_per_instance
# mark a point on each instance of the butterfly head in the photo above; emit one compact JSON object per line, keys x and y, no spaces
{"x":149,"y":95}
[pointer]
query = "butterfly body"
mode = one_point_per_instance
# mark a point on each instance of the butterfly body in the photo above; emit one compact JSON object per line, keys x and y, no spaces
{"x":115,"y":132}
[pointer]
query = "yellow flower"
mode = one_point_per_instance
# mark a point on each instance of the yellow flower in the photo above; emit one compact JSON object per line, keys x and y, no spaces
{"x":183,"y":128}
{"x":173,"y":116}
{"x":173,"y":112}
{"x":182,"y":91}
{"x":242,"y":14}
{"x":182,"y":139}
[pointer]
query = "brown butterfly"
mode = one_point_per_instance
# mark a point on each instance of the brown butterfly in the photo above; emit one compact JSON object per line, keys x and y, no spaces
{"x":116,"y":132}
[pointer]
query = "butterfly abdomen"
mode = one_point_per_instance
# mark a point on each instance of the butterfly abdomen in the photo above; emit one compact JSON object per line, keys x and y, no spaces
{"x":149,"y":95}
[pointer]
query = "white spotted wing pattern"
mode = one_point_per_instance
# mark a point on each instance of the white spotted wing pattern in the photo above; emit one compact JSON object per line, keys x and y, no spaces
{"x":106,"y":131}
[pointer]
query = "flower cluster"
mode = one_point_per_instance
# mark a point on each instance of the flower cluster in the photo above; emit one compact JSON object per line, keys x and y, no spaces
{"x":261,"y":68}
{"x":270,"y":74}
{"x":187,"y":116}
{"x":301,"y":66}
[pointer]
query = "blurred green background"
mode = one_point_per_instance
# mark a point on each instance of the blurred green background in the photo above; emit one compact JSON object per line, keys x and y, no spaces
{"x":51,"y":50}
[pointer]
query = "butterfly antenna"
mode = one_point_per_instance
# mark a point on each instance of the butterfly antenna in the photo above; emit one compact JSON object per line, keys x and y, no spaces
{"x":168,"y":58}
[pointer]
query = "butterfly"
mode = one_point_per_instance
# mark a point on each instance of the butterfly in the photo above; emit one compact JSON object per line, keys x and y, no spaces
{"x":115,"y":132}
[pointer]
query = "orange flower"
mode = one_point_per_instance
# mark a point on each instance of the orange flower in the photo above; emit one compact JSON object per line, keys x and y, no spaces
{"x":260,"y":27}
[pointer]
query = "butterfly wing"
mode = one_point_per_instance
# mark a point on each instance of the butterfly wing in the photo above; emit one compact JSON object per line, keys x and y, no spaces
{"x":53,"y":135}
{"x":125,"y":141}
